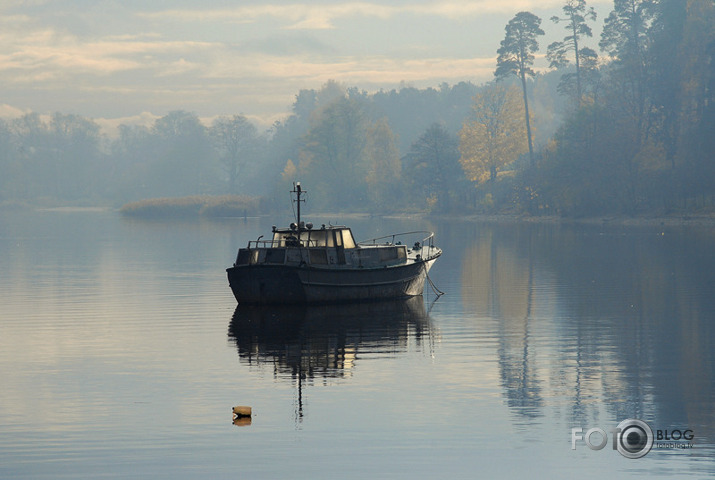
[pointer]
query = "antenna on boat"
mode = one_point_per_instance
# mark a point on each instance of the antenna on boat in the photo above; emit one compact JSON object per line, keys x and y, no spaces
{"x":298,"y":192}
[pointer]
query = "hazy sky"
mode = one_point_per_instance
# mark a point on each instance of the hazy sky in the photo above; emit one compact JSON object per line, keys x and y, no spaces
{"x":127,"y":58}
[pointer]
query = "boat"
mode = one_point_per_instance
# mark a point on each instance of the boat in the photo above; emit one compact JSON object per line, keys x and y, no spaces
{"x":303,"y":264}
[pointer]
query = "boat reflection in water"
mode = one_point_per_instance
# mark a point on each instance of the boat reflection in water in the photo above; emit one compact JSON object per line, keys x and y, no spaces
{"x":305,"y":342}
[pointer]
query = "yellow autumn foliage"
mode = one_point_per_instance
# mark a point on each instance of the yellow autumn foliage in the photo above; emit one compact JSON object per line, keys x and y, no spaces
{"x":495,"y":135}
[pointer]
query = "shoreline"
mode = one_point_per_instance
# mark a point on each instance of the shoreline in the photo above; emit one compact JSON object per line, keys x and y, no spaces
{"x":686,"y":220}
{"x":693,"y":220}
{"x":675,"y":220}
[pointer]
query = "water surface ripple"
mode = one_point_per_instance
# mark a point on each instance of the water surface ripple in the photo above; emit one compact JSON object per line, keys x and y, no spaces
{"x":122,"y":352}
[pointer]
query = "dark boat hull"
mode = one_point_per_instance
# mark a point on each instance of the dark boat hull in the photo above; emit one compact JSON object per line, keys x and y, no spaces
{"x":285,"y":284}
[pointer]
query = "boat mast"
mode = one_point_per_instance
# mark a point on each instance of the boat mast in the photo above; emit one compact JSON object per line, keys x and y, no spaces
{"x":298,"y":191}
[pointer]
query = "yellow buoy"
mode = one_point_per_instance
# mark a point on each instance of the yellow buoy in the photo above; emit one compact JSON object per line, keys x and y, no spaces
{"x":241,"y":411}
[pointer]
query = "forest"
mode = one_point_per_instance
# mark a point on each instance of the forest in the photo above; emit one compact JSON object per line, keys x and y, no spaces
{"x":627,"y":128}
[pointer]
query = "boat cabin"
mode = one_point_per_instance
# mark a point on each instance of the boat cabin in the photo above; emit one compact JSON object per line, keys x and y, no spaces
{"x":334,"y":236}
{"x":332,"y":246}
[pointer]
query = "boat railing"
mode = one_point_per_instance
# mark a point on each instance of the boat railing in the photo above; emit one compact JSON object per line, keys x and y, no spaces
{"x":425,"y":246}
{"x":263,"y":243}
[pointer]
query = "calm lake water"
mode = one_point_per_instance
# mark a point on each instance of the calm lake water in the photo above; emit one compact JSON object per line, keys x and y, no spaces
{"x":122,"y":354}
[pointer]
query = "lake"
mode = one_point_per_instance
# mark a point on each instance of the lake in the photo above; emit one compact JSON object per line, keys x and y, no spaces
{"x":122,"y":353}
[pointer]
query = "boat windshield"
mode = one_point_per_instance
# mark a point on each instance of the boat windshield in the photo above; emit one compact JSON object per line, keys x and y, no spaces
{"x":341,"y":237}
{"x":348,"y":240}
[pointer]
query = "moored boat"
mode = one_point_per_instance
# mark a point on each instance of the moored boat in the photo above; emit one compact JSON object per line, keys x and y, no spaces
{"x":302,"y":264}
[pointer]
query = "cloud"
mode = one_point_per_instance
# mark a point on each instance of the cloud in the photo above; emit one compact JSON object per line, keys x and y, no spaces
{"x":373,"y":70}
{"x":319,"y":16}
{"x":297,"y":16}
{"x":46,"y":54}
{"x":8,"y":111}
{"x":288,"y":43}
{"x":179,"y":67}
{"x":10,"y":4}
{"x":235,"y":65}
{"x":121,"y":58}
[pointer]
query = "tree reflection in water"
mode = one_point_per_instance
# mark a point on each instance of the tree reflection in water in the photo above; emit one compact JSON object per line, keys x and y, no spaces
{"x":596,"y":320}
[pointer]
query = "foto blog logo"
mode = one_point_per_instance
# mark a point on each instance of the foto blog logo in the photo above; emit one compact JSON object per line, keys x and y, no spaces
{"x":632,"y":438}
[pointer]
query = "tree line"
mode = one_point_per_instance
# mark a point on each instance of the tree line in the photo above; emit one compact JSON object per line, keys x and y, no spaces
{"x":628,"y":130}
{"x":336,"y":139}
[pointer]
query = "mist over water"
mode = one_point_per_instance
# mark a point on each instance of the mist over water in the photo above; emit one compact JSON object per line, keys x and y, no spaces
{"x":122,"y":352}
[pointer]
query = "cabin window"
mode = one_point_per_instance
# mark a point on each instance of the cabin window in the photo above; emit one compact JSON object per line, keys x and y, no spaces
{"x":348,"y":241}
{"x":275,"y":255}
{"x":278,"y":240}
{"x":244,"y":257}
{"x":313,"y":238}
{"x":318,"y":257}
{"x":286,"y":240}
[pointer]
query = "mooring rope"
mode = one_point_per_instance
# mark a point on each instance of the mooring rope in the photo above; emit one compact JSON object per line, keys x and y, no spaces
{"x":436,"y":290}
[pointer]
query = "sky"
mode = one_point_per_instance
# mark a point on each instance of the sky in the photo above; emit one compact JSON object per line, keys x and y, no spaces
{"x":130,"y":61}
